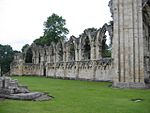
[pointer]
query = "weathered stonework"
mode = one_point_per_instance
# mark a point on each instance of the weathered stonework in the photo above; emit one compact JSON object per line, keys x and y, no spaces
{"x":130,"y":47}
{"x":81,"y":58}
{"x":78,"y":58}
{"x":10,"y":89}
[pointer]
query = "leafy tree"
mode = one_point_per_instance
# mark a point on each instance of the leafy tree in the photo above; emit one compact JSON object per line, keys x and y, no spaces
{"x":6,"y":57}
{"x":15,"y":51}
{"x":54,"y":30}
{"x":24,"y":47}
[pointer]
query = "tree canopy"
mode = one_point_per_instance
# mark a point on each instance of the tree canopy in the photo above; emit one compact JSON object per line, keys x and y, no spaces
{"x":24,"y":47}
{"x":54,"y":30}
{"x":6,"y":57}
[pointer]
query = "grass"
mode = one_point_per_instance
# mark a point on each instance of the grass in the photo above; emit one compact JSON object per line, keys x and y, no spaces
{"x":78,"y":97}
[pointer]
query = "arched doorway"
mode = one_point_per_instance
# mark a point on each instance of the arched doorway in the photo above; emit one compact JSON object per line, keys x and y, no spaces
{"x":28,"y":56}
{"x":86,"y":50}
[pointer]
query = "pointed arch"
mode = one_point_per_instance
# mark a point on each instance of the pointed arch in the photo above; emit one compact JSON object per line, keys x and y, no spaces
{"x":29,"y":55}
{"x":86,"y":48}
{"x":71,"y":49}
{"x":60,"y":52}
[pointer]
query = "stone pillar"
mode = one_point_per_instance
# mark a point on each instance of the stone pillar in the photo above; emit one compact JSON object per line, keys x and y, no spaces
{"x":76,"y":46}
{"x":98,"y":45}
{"x":67,"y":54}
{"x":42,"y":55}
{"x":38,"y":58}
{"x":20,"y":67}
{"x":64,"y":56}
{"x":98,"y":51}
{"x":34,"y":57}
{"x":77,"y":54}
{"x":93,"y":51}
{"x":128,"y":45}
{"x":80,"y":53}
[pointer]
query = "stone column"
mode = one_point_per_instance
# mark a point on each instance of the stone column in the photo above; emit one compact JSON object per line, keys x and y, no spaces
{"x":128,"y":46}
{"x":38,"y":58}
{"x":93,"y":51}
{"x":80,"y":53}
{"x":98,"y":45}
{"x":67,"y":54}
{"x":77,"y":54}
{"x":34,"y":57}
{"x":98,"y":51}
{"x":64,"y":56}
{"x":76,"y":46}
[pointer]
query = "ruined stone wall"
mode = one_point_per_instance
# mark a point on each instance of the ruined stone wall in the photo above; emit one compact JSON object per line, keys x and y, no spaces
{"x":26,"y":69}
{"x":146,"y":36}
{"x":81,"y":58}
{"x":130,"y":42}
{"x":97,"y":70}
{"x":77,"y":58}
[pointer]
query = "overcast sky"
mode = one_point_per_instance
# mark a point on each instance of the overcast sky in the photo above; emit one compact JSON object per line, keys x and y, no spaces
{"x":21,"y":21}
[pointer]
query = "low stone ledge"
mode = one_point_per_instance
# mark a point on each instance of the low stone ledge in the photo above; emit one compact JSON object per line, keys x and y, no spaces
{"x":10,"y":89}
{"x":135,"y":85}
{"x":35,"y":96}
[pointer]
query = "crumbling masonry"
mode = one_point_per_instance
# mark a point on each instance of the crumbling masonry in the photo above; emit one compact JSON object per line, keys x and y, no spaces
{"x":78,"y":58}
{"x":82,"y":57}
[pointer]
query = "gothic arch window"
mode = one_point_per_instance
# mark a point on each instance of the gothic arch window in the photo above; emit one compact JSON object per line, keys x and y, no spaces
{"x":104,"y":40}
{"x":28,"y":56}
{"x":86,"y":48}
{"x":106,"y":45}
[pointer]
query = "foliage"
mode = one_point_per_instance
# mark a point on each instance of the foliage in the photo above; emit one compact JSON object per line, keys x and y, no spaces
{"x":91,"y":29}
{"x":106,"y":50}
{"x":54,"y":30}
{"x":78,"y":97}
{"x":24,"y":47}
{"x":6,"y":57}
{"x":106,"y":53}
{"x":15,"y":51}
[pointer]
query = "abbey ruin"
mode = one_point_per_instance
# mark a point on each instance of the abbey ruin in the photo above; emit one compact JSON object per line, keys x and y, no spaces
{"x":82,"y":57}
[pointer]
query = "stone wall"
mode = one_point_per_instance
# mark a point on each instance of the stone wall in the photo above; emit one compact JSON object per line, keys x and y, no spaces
{"x":77,"y":58}
{"x":146,"y":30}
{"x":82,"y":57}
{"x":98,"y":70}
{"x":130,"y":42}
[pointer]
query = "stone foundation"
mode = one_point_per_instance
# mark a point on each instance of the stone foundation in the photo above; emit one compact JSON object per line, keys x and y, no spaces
{"x":10,"y":89}
{"x":97,"y":70}
{"x":130,"y":85}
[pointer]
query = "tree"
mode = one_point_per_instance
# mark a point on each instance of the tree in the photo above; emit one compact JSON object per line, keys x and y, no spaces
{"x":6,"y":57}
{"x":54,"y":30}
{"x":25,"y":47}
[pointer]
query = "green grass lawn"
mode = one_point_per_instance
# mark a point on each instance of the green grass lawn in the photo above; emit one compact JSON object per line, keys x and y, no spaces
{"x":78,"y":97}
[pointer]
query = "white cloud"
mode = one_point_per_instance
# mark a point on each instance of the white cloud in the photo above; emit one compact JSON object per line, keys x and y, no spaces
{"x":21,"y":21}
